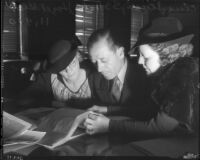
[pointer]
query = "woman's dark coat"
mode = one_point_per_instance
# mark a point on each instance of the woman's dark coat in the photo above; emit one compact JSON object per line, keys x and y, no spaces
{"x":175,"y":91}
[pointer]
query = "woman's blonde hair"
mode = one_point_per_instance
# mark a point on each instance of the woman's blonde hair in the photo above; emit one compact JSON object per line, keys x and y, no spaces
{"x":170,"y":53}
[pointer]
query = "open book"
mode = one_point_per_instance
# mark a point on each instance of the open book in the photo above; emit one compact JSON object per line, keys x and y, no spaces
{"x":17,"y":132}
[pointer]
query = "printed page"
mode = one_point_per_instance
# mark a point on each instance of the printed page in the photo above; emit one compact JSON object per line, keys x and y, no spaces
{"x":14,"y":147}
{"x":54,"y":139}
{"x":13,"y":126}
{"x":51,"y":138}
{"x":26,"y":137}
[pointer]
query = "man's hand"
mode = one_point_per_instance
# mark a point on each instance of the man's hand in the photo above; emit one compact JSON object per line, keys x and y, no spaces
{"x":99,"y":109}
{"x":96,"y":123}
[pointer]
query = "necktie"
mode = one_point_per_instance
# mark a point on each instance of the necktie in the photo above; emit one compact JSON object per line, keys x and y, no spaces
{"x":116,"y":89}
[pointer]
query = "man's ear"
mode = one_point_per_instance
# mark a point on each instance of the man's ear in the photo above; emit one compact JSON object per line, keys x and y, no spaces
{"x":120,"y":52}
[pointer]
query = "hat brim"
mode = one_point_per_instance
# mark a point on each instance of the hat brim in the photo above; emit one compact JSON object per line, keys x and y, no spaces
{"x":182,"y":40}
{"x":166,"y":39}
{"x":62,"y":63}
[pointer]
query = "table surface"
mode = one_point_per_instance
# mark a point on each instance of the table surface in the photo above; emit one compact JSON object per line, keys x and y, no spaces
{"x":102,"y":145}
{"x":116,"y":145}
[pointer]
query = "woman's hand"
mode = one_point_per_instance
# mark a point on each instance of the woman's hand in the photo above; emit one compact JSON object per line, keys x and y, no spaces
{"x":96,"y":123}
{"x":99,"y":109}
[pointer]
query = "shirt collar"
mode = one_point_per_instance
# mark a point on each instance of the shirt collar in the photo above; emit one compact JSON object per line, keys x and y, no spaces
{"x":121,"y":74}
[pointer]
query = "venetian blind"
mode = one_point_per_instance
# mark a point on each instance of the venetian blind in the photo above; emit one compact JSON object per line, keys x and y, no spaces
{"x":88,"y":19}
{"x":136,"y":24}
{"x":9,"y":35}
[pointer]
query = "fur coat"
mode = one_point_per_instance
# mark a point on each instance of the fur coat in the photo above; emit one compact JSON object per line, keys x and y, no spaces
{"x":176,"y":91}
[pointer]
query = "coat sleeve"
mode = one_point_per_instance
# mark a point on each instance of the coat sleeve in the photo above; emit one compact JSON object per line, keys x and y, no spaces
{"x":144,"y":109}
{"x":161,"y":125}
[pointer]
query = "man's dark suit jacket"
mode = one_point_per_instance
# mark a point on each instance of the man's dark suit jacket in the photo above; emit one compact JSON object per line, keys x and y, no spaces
{"x":149,"y":105}
{"x":132,"y":100}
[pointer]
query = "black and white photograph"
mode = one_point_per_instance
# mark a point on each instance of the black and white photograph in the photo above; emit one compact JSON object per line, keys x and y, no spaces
{"x":108,"y":79}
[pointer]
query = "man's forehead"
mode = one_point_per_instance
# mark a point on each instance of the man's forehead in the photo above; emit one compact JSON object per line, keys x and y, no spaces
{"x":97,"y":55}
{"x":98,"y":49}
{"x":100,"y":43}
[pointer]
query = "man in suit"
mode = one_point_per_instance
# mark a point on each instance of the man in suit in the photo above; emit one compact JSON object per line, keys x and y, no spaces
{"x":119,"y":85}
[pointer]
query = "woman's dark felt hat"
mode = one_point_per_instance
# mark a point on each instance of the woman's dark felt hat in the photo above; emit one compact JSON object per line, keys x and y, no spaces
{"x":163,"y":30}
{"x":61,"y":54}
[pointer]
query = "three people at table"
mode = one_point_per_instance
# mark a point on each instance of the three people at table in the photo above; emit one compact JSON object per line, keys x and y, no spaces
{"x":163,"y":101}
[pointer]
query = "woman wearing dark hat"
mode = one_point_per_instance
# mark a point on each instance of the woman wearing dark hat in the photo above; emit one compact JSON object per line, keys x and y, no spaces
{"x":174,"y":78}
{"x":173,"y":75}
{"x":68,"y":80}
{"x":64,"y":81}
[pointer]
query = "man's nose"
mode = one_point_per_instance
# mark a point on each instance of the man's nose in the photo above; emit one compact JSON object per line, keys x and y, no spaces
{"x":140,"y":60}
{"x":99,"y":67}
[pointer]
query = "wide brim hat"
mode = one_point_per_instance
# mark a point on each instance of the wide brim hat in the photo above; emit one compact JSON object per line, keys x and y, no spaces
{"x":61,"y":55}
{"x":167,"y":30}
{"x":182,"y":38}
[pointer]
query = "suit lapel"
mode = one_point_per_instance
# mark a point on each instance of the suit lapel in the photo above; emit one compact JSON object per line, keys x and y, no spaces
{"x":105,"y":90}
{"x":126,"y":87}
{"x":125,"y":93}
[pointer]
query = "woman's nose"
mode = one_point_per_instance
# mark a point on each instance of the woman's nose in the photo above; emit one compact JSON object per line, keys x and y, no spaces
{"x":68,"y":68}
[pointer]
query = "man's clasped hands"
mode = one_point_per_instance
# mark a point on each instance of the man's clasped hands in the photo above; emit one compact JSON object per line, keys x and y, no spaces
{"x":96,"y":122}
